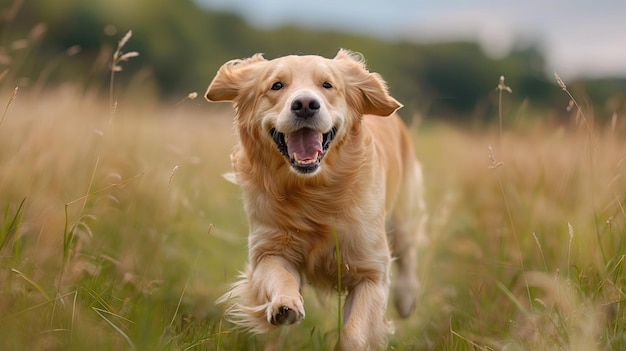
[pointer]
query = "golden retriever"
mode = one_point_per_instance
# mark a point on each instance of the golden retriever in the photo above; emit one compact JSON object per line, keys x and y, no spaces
{"x":318,"y":164}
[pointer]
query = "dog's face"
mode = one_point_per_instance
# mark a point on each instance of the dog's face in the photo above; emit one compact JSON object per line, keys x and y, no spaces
{"x":301,"y":104}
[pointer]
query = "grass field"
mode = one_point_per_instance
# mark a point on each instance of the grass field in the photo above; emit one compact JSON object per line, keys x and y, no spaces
{"x":118,"y":232}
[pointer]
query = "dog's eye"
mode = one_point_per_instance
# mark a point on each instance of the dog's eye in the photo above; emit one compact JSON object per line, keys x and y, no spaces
{"x":327,"y":85}
{"x":277,"y":86}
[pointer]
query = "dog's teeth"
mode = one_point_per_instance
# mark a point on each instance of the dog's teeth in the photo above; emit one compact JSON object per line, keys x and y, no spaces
{"x":304,"y":162}
{"x":295,"y":158}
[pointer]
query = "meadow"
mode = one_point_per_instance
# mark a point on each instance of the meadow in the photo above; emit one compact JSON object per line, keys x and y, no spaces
{"x":118,"y":231}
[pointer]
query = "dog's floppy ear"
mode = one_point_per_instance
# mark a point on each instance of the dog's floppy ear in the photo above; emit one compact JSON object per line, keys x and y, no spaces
{"x":232,"y":77}
{"x":371,"y":90}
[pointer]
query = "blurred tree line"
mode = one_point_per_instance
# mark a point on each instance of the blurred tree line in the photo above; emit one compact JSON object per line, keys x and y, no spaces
{"x":47,"y":42}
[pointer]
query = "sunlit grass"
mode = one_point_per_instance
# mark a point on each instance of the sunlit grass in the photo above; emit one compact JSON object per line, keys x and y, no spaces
{"x":118,"y":237}
{"x":132,"y":264}
{"x":531,"y":256}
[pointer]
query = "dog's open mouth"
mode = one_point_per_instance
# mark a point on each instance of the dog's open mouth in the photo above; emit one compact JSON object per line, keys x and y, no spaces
{"x":304,"y":148}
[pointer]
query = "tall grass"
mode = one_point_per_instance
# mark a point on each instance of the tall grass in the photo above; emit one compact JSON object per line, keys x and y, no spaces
{"x":540,"y":234}
{"x":526,"y":250}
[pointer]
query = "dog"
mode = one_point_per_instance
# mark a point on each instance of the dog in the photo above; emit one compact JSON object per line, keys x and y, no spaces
{"x":325,"y":166}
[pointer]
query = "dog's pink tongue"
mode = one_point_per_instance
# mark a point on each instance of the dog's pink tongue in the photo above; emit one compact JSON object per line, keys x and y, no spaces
{"x":306,"y":143}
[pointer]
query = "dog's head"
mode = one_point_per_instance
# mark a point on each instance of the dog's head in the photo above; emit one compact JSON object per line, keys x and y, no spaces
{"x":301,"y":104}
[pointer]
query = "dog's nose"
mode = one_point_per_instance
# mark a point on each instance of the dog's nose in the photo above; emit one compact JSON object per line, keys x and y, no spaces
{"x":305,"y":106}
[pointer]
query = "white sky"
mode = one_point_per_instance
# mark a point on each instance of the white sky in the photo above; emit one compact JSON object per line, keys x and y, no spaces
{"x":579,"y":37}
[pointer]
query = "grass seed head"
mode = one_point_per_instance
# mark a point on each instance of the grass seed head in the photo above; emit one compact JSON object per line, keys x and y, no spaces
{"x":503,"y":87}
{"x":560,"y":82}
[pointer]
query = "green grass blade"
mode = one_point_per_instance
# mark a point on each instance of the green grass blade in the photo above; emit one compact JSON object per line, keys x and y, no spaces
{"x":101,"y":312}
{"x":31,"y":282}
{"x":513,"y":299}
{"x":10,"y":227}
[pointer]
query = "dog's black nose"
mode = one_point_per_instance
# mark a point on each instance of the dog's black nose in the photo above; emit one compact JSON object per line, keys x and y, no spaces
{"x":305,"y":106}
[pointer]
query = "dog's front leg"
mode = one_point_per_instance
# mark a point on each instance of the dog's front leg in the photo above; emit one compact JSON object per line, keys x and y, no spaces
{"x":278,"y":281}
{"x":365,"y":326}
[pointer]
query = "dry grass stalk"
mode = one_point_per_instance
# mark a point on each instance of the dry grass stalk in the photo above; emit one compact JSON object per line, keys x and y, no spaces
{"x":501,"y":87}
{"x":118,"y":57}
{"x":172,"y":175}
{"x":492,"y":157}
{"x":6,"y":108}
{"x":579,"y":112}
{"x":191,"y":96}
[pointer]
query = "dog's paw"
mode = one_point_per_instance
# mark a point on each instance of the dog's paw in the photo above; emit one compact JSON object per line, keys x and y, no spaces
{"x":405,"y":295}
{"x":285,"y":310}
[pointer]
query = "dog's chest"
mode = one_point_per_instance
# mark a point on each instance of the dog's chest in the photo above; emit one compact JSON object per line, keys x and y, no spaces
{"x":309,"y":234}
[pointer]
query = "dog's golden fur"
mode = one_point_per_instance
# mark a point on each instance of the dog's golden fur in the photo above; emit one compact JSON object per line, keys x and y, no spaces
{"x":349,"y":173}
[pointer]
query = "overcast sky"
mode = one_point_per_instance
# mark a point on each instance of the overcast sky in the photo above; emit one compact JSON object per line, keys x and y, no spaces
{"x":579,"y":37}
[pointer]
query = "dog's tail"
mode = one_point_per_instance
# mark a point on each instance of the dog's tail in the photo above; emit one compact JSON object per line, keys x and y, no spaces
{"x":244,"y":308}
